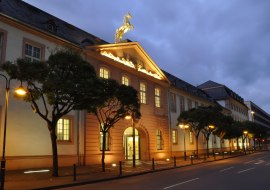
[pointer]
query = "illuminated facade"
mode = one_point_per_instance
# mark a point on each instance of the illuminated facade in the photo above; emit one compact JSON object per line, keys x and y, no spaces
{"x":28,"y":140}
{"x":129,"y":64}
{"x":163,"y":97}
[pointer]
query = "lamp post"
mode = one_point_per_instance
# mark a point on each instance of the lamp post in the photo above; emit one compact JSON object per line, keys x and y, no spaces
{"x":252,"y":115}
{"x":133,"y":140}
{"x":184,"y":127}
{"x":245,"y":135}
{"x":210,"y":130}
{"x":20,"y":91}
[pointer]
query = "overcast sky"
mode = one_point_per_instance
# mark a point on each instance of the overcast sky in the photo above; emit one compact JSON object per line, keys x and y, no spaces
{"x":227,"y":41}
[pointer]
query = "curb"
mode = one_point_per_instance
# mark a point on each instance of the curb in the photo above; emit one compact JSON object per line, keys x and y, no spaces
{"x":129,"y":175}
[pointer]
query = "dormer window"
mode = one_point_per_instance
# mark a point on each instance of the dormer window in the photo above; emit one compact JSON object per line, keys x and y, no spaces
{"x":51,"y":26}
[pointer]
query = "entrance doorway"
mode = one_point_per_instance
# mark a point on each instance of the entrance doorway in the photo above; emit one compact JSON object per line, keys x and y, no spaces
{"x":128,"y":144}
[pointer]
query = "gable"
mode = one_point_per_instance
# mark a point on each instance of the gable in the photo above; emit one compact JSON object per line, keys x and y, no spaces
{"x":131,"y":55}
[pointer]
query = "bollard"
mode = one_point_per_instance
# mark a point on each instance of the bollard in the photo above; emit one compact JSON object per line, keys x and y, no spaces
{"x":74,"y":173}
{"x":174,"y":159}
{"x":204,"y":157}
{"x":120,"y":168}
{"x":153,"y":164}
{"x":191,"y":160}
{"x":223,"y":155}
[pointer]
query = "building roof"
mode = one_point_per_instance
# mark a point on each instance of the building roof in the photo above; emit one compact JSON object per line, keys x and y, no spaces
{"x":185,"y":86}
{"x":33,"y":17}
{"x":219,"y":91}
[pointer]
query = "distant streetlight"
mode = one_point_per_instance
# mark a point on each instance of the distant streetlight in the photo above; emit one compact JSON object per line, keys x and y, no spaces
{"x":245,"y":135}
{"x":210,"y":129}
{"x":252,"y":115}
{"x":184,"y":127}
{"x":19,"y":91}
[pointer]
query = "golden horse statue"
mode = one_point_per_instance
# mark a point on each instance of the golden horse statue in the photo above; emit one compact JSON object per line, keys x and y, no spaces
{"x":124,"y":28}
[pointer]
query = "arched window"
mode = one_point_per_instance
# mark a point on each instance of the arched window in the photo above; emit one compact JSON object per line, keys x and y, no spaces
{"x":125,"y":80}
{"x":104,"y":73}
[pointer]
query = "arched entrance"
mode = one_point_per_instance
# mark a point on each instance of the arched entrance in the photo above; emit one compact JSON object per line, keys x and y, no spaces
{"x":128,"y":144}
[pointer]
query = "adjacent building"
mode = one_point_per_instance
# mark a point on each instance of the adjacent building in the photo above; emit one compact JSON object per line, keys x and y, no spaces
{"x":228,"y":99}
{"x":183,"y":97}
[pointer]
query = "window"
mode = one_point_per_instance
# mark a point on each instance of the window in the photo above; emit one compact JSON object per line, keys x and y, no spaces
{"x":33,"y":51}
{"x":189,"y":104}
{"x":182,"y":104}
{"x":63,"y":129}
{"x":157,"y":97}
{"x":104,"y":73}
{"x":203,"y":139}
{"x":143,"y":93}
{"x":101,"y":140}
{"x":2,"y":45}
{"x":174,"y":136}
{"x":173,"y":102}
{"x":196,"y":104}
{"x":190,"y":137}
{"x":125,"y":80}
{"x":214,"y":139}
{"x":159,"y":140}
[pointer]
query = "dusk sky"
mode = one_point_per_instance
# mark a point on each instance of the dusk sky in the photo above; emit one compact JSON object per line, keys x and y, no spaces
{"x":226,"y":41}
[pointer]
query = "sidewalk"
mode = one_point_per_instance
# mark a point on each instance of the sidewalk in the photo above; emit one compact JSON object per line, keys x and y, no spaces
{"x":18,"y":180}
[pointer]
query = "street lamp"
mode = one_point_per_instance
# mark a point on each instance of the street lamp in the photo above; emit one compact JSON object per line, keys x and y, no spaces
{"x":252,"y":115}
{"x":245,"y":135}
{"x":128,"y":117}
{"x":19,"y":91}
{"x":184,"y":127}
{"x":210,"y":130}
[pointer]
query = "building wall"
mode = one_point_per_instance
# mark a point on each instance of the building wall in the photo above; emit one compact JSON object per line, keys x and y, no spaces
{"x":28,"y":141}
{"x":178,"y":148}
{"x":152,"y":119}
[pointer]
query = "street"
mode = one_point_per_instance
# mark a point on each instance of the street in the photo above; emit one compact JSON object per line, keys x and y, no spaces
{"x":245,"y":172}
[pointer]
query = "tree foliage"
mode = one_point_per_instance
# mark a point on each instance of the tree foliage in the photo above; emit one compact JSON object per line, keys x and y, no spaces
{"x":116,"y":101}
{"x":63,"y":83}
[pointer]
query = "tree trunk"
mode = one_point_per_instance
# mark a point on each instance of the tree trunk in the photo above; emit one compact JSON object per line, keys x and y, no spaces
{"x":207,"y":146}
{"x":221,"y":147}
{"x":254,"y":144}
{"x":243,"y":146}
{"x":103,"y":150}
{"x":54,"y":151}
{"x":237,"y":144}
{"x":197,"y":146}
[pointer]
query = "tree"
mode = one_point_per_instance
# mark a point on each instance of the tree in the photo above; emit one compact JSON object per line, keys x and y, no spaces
{"x":63,"y":83}
{"x":212,"y":116}
{"x":116,"y":102}
{"x":224,"y":126}
{"x":197,"y":119}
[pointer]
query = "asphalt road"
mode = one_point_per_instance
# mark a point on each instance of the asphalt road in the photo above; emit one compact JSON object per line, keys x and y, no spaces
{"x":240,"y":173}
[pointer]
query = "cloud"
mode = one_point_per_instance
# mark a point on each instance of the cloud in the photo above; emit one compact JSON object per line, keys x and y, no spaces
{"x":199,"y":40}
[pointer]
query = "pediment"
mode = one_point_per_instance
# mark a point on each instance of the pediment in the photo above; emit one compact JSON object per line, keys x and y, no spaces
{"x":132,"y":55}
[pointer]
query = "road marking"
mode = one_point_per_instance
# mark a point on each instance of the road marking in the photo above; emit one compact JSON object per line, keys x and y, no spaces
{"x":226,"y":169}
{"x":245,"y":170}
{"x":267,"y":164}
{"x":259,"y":162}
{"x":181,"y":183}
{"x":263,"y":157}
{"x":249,"y":161}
